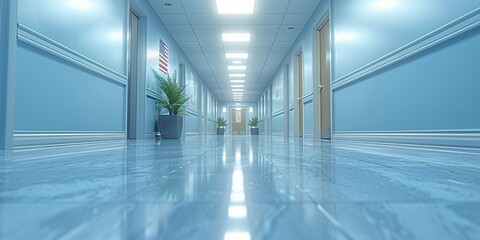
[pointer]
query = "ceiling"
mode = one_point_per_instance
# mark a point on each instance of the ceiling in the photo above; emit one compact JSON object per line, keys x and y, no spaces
{"x":197,"y":27}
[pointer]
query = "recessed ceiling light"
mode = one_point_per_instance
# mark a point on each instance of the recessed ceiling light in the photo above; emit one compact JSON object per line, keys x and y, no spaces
{"x":237,"y":67}
{"x":237,"y":90}
{"x":235,"y":6}
{"x":237,"y":81}
{"x":237,"y":62}
{"x":236,"y":55}
{"x":238,"y":86}
{"x":236,"y":37}
{"x":236,"y":74}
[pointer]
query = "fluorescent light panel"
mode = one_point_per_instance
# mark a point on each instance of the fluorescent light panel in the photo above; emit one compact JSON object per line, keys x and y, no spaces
{"x":236,"y":37}
{"x":237,"y":90}
{"x":235,"y":6}
{"x":237,"y":67}
{"x":237,"y":62}
{"x":236,"y":74}
{"x":236,"y":55}
{"x":237,"y":81}
{"x":238,"y":86}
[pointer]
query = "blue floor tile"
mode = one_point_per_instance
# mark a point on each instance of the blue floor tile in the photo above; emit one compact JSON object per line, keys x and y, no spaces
{"x":240,"y":187}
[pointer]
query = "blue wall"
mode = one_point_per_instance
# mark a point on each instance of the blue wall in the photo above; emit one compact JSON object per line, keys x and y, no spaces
{"x":402,"y":71}
{"x":70,"y":71}
{"x":397,"y":80}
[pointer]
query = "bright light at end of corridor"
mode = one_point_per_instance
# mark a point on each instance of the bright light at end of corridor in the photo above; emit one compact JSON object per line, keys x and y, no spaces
{"x":382,"y":5}
{"x":237,"y":212}
{"x":237,"y":236}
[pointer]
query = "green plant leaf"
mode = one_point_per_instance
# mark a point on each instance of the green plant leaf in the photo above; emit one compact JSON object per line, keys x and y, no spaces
{"x":173,"y":98}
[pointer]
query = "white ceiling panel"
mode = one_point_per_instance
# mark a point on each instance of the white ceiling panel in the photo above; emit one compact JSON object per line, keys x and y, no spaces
{"x":210,"y":28}
{"x":209,"y":37}
{"x":286,"y":37}
{"x":261,"y":44}
{"x":169,"y":19}
{"x":160,"y":7}
{"x":257,"y":59}
{"x":199,"y":19}
{"x":211,"y":45}
{"x":265,"y":28}
{"x":197,"y":28}
{"x":189,"y":44}
{"x":288,"y":28}
{"x":259,"y":49}
{"x":192,"y":50}
{"x":180,"y":28}
{"x":274,"y":19}
{"x":259,"y":37}
{"x":184,"y":37}
{"x":271,"y":6}
{"x":281,"y":45}
{"x":304,"y":6}
{"x":296,"y":18}
{"x":199,"y":6}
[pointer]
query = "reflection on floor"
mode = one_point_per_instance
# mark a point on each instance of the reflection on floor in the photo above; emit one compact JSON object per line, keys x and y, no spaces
{"x":239,"y":188}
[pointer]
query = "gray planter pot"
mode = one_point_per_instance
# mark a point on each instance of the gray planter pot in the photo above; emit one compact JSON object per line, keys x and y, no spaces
{"x":254,"y":131}
{"x":170,"y":126}
{"x":220,"y":131}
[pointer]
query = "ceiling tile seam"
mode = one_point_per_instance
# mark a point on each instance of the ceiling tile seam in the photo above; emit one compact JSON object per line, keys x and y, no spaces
{"x":211,"y":70}
{"x":263,"y":67}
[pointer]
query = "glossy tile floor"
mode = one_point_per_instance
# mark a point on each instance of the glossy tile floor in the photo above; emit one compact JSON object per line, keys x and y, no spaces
{"x":239,"y":188}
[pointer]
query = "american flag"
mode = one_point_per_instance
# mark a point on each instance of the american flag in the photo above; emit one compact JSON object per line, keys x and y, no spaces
{"x":163,"y":56}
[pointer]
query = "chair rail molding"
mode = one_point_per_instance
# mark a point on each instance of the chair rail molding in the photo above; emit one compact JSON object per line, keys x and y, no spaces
{"x":448,"y":31}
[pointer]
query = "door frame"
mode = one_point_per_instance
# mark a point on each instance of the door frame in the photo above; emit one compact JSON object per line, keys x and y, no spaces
{"x":317,"y":77}
{"x":182,"y":79}
{"x":8,"y":48}
{"x":140,"y":91}
{"x":286,"y":99}
{"x":298,"y":105}
{"x":132,"y":83}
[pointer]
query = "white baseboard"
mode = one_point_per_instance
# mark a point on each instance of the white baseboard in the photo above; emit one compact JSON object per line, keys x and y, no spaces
{"x":34,"y":139}
{"x":450,"y":138}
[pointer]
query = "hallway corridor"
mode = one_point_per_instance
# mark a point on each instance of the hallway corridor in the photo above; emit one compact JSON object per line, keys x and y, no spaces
{"x":239,"y":187}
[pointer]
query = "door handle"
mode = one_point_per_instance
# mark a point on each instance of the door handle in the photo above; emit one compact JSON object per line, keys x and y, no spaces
{"x":299,"y":99}
{"x":320,"y":87}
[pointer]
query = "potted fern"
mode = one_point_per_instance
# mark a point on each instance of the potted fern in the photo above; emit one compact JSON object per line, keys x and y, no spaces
{"x":222,"y":123}
{"x":253,"y":123}
{"x":174,"y":100}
